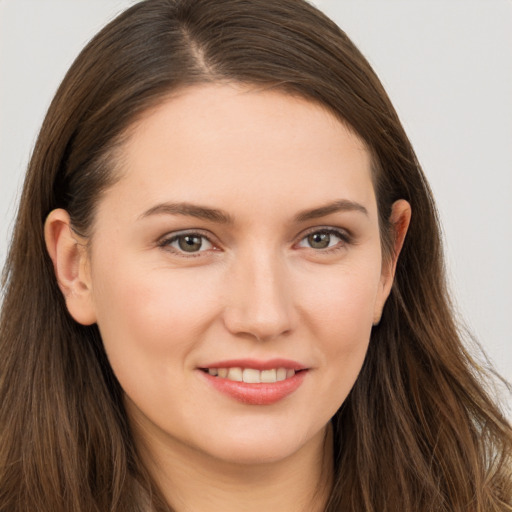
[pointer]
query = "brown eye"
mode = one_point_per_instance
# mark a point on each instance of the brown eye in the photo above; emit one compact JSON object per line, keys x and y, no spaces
{"x":328,"y":238}
{"x":319,"y":240}
{"x":190,"y":243}
{"x":187,"y":243}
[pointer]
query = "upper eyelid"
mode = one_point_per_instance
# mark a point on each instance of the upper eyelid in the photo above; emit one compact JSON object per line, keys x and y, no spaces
{"x":184,"y":232}
{"x":344,"y":233}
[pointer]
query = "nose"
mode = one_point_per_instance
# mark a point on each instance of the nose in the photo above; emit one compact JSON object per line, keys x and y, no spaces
{"x":259,"y":303}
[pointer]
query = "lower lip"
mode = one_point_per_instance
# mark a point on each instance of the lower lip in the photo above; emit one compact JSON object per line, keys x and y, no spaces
{"x":256,"y":394}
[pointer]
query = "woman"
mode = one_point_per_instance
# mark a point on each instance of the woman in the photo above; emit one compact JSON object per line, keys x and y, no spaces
{"x":225,"y":288}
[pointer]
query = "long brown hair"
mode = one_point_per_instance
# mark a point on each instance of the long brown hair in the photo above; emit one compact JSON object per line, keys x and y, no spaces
{"x":418,"y":431}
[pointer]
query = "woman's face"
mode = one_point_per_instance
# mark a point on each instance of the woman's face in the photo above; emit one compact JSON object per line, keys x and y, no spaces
{"x":241,"y":243}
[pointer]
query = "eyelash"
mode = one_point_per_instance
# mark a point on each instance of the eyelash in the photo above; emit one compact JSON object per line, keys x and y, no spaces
{"x":344,"y":237}
{"x":166,"y":242}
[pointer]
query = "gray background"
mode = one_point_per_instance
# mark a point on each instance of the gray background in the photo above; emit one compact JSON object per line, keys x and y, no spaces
{"x":447,"y":65}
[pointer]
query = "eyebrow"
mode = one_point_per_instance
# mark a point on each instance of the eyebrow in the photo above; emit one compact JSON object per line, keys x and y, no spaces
{"x":191,"y":210}
{"x":222,"y":217}
{"x":342,"y":205}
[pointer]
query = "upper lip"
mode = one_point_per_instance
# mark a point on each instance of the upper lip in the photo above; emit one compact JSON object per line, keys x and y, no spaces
{"x":258,"y":364}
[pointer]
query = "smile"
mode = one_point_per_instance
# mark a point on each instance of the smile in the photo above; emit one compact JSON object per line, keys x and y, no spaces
{"x":254,"y":382}
{"x":252,"y":375}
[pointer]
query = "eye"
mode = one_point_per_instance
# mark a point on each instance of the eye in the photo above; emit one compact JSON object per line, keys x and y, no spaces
{"x":187,"y":243}
{"x":324,"y":239}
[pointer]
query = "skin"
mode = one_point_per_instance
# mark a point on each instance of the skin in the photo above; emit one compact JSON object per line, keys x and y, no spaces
{"x":257,"y":288}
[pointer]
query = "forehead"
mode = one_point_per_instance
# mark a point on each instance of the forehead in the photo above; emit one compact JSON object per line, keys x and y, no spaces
{"x":238,"y":146}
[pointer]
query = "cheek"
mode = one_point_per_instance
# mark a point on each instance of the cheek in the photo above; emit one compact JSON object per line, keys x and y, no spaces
{"x":339,"y":316}
{"x":151,"y":322}
{"x":342,"y":301}
{"x":151,"y":315}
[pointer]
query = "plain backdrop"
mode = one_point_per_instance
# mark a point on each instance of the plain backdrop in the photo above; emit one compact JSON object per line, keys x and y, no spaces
{"x":447,"y":66}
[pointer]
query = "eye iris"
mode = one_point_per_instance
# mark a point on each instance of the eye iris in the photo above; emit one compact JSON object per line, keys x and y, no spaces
{"x":319,"y":240}
{"x":190,"y":243}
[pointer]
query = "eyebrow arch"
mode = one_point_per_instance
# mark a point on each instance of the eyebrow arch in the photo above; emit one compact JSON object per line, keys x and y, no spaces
{"x":191,"y":210}
{"x":221,"y":217}
{"x":342,"y":205}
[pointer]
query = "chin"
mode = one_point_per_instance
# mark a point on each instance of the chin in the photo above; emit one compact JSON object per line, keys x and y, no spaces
{"x":260,"y":448}
{"x":247,"y":455}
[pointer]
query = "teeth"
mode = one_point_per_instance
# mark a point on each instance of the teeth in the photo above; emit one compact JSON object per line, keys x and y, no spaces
{"x":235,"y":374}
{"x":252,"y":376}
{"x":268,"y":376}
{"x":281,"y":374}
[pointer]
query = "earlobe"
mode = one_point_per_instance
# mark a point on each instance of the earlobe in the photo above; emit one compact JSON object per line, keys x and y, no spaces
{"x":400,"y":219}
{"x":71,"y":265}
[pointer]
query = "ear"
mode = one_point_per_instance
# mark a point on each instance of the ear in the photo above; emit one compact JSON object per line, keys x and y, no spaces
{"x":399,"y":219}
{"x":71,"y":264}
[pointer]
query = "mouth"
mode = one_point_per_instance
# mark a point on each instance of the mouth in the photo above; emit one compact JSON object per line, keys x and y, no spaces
{"x":253,"y":382}
{"x":252,"y":375}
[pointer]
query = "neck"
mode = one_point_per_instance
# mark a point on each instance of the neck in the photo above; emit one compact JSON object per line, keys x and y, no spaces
{"x":192,"y":481}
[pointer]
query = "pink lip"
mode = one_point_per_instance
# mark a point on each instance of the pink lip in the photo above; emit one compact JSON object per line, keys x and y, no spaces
{"x":257,"y":394}
{"x":257,"y":364}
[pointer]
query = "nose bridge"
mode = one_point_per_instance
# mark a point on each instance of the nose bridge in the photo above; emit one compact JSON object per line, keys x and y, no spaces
{"x":259,"y":302}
